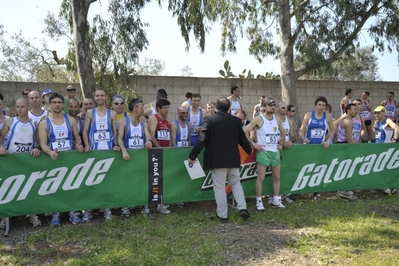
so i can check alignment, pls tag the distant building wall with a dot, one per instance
(213, 88)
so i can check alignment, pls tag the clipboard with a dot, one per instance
(195, 171)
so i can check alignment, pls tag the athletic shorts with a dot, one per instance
(367, 122)
(268, 158)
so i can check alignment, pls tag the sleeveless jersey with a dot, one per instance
(286, 126)
(162, 133)
(134, 136)
(343, 106)
(382, 134)
(153, 110)
(234, 106)
(366, 114)
(196, 121)
(182, 134)
(101, 136)
(8, 133)
(390, 110)
(341, 133)
(37, 118)
(60, 136)
(21, 136)
(357, 129)
(268, 134)
(317, 128)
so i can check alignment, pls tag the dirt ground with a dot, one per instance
(246, 242)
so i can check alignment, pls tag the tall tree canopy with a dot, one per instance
(319, 31)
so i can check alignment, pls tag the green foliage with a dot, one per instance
(243, 74)
(24, 61)
(361, 66)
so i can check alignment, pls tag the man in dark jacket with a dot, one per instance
(221, 133)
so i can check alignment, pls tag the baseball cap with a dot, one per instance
(47, 91)
(379, 109)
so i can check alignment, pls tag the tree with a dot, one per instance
(362, 66)
(320, 31)
(186, 71)
(23, 61)
(105, 45)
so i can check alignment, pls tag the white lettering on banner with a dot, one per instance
(312, 175)
(247, 171)
(53, 178)
(14, 182)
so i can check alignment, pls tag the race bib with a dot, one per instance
(183, 143)
(317, 133)
(271, 138)
(61, 145)
(364, 114)
(163, 135)
(101, 136)
(136, 143)
(22, 147)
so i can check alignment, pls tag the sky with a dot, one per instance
(165, 41)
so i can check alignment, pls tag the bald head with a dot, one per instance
(181, 109)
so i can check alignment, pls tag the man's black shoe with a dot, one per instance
(222, 220)
(245, 214)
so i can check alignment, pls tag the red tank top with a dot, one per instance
(162, 133)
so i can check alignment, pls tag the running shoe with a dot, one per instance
(107, 214)
(86, 216)
(74, 217)
(55, 221)
(259, 205)
(35, 220)
(347, 194)
(146, 211)
(286, 199)
(125, 212)
(162, 209)
(277, 205)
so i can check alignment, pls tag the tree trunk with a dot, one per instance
(288, 75)
(80, 9)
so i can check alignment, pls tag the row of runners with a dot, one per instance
(147, 126)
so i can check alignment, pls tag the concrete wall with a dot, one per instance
(213, 88)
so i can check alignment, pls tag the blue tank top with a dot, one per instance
(317, 129)
(128, 135)
(101, 132)
(52, 137)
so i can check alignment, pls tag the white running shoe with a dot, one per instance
(107, 214)
(259, 205)
(277, 205)
(35, 220)
(86, 216)
(162, 209)
(146, 211)
(125, 212)
(286, 199)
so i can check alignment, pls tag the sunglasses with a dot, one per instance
(292, 111)
(184, 113)
(71, 90)
(121, 103)
(283, 107)
(271, 104)
(377, 113)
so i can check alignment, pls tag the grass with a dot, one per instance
(329, 232)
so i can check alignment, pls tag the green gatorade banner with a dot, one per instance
(101, 179)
